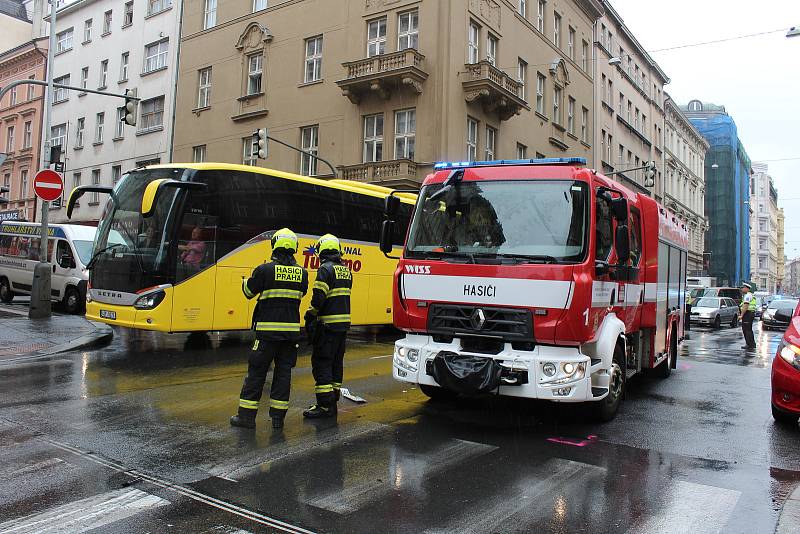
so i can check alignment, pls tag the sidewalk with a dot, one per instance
(789, 522)
(22, 338)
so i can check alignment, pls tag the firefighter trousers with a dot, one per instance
(327, 365)
(284, 354)
(747, 329)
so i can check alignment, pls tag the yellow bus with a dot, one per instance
(175, 241)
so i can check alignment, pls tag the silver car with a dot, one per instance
(714, 311)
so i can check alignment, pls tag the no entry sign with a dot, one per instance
(48, 185)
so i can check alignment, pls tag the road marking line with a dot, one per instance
(689, 507)
(86, 514)
(406, 469)
(32, 468)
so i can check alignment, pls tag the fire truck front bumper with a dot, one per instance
(561, 374)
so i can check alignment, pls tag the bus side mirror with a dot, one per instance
(619, 206)
(391, 206)
(622, 244)
(154, 189)
(387, 232)
(79, 191)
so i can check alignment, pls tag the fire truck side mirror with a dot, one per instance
(391, 206)
(387, 232)
(619, 206)
(622, 244)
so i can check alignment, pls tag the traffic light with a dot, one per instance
(262, 143)
(650, 174)
(131, 107)
(3, 191)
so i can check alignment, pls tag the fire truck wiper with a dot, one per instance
(464, 257)
(527, 258)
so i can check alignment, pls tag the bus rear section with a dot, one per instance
(191, 233)
(537, 279)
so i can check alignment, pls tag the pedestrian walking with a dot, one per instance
(328, 320)
(279, 286)
(748, 313)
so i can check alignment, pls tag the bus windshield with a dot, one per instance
(525, 221)
(132, 252)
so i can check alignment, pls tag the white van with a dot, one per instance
(69, 250)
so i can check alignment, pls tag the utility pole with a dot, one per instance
(40, 306)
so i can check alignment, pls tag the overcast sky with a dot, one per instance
(756, 79)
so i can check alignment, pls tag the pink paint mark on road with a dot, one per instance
(566, 441)
(684, 366)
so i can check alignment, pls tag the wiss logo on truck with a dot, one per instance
(539, 279)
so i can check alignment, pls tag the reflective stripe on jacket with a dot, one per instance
(330, 300)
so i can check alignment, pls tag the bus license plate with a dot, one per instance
(107, 314)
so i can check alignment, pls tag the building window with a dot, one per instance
(250, 150)
(522, 151)
(259, 5)
(540, 16)
(103, 74)
(609, 148)
(27, 135)
(540, 81)
(76, 182)
(473, 48)
(155, 56)
(621, 104)
(119, 126)
(376, 37)
(405, 133)
(472, 139)
(127, 17)
(31, 89)
(373, 138)
(95, 181)
(571, 115)
(408, 30)
(157, 6)
(23, 182)
(10, 139)
(107, 22)
(309, 142)
(84, 77)
(584, 125)
(557, 30)
(80, 126)
(762, 243)
(64, 41)
(204, 88)
(255, 65)
(630, 111)
(87, 30)
(98, 130)
(491, 144)
(199, 153)
(621, 159)
(313, 71)
(152, 114)
(636, 116)
(522, 8)
(116, 173)
(557, 92)
(123, 66)
(585, 56)
(522, 78)
(58, 135)
(60, 94)
(571, 43)
(210, 14)
(13, 96)
(491, 49)
(611, 93)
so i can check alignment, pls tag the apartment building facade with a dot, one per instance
(112, 46)
(791, 284)
(21, 112)
(629, 105)
(384, 88)
(764, 214)
(684, 152)
(781, 277)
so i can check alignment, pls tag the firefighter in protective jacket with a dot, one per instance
(328, 320)
(279, 286)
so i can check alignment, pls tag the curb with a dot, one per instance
(789, 520)
(102, 335)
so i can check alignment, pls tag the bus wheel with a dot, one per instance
(72, 301)
(665, 368)
(437, 393)
(606, 409)
(6, 295)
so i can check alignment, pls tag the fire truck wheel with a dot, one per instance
(437, 393)
(606, 409)
(665, 368)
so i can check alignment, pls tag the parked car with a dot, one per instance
(714, 311)
(731, 292)
(786, 374)
(778, 314)
(759, 306)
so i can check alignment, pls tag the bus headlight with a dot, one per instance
(149, 301)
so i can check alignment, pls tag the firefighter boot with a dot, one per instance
(244, 419)
(318, 411)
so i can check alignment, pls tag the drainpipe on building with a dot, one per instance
(171, 148)
(595, 161)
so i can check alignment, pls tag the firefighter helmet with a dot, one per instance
(284, 238)
(328, 242)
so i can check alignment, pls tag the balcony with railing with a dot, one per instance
(383, 75)
(494, 89)
(392, 173)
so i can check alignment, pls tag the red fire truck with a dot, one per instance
(536, 278)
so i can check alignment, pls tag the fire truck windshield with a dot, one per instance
(536, 221)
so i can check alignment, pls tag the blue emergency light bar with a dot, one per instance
(542, 161)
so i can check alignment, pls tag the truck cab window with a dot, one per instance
(605, 229)
(636, 238)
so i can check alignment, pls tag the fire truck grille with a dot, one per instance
(506, 323)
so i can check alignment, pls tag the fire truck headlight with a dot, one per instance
(549, 369)
(569, 368)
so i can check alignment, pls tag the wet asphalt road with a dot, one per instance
(134, 437)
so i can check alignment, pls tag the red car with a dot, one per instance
(786, 374)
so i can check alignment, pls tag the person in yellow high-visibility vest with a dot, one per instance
(748, 313)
